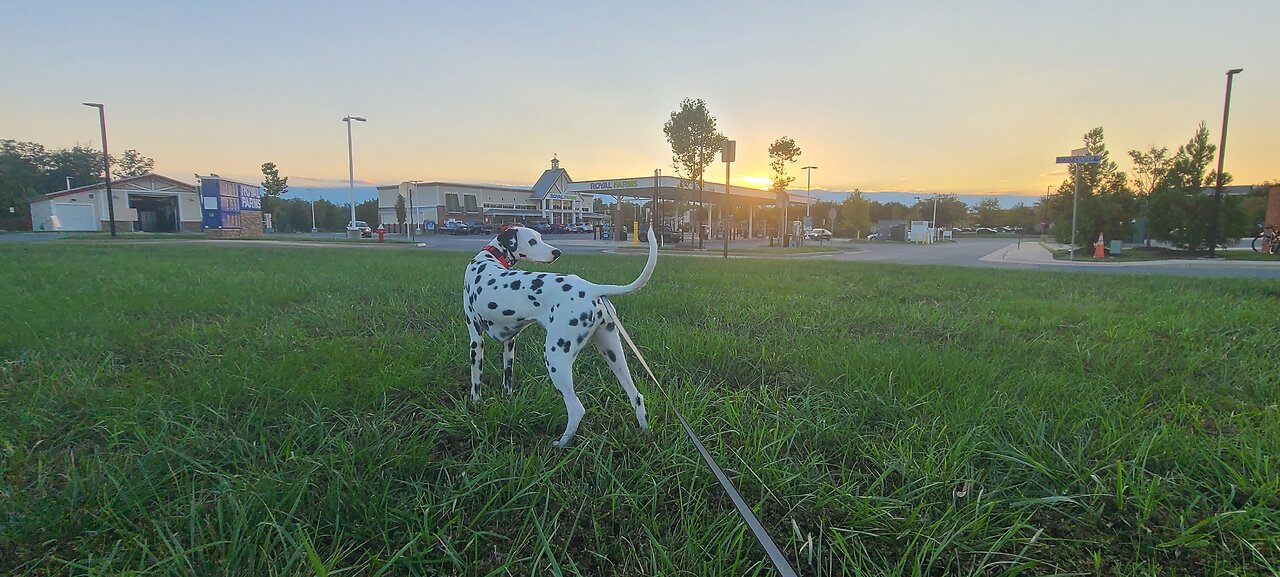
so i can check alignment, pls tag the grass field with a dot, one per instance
(247, 410)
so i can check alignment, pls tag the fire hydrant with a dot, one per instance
(382, 233)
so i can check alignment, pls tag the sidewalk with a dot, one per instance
(1037, 253)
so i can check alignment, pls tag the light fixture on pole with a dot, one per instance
(351, 167)
(1222, 151)
(106, 164)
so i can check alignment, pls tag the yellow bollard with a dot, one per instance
(635, 233)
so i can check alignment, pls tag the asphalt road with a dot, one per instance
(964, 252)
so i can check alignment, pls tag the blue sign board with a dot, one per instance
(1086, 159)
(222, 201)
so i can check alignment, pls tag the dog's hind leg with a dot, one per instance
(610, 346)
(508, 362)
(477, 358)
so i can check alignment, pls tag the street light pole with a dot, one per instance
(106, 164)
(351, 166)
(934, 236)
(1222, 151)
(808, 181)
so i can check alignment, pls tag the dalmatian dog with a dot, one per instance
(501, 302)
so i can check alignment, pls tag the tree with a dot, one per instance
(1149, 168)
(131, 163)
(368, 212)
(888, 211)
(855, 215)
(988, 213)
(401, 213)
(1181, 208)
(272, 184)
(691, 131)
(782, 152)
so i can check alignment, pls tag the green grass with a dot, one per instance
(260, 410)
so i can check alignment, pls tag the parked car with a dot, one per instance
(361, 226)
(665, 236)
(455, 227)
(542, 227)
(580, 227)
(559, 228)
(873, 236)
(480, 227)
(818, 234)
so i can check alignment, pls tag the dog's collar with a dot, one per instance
(501, 259)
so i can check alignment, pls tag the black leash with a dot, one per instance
(780, 561)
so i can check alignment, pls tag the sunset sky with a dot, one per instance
(965, 97)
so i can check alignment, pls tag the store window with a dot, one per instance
(470, 200)
(451, 203)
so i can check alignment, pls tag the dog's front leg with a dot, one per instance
(508, 363)
(477, 359)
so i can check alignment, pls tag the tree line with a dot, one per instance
(1166, 196)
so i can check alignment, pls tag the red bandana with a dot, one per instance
(502, 259)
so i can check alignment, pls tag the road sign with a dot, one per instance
(1083, 159)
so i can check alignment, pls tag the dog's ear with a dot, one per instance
(507, 240)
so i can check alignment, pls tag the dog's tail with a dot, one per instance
(652, 263)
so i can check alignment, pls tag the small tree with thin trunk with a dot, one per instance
(782, 152)
(691, 130)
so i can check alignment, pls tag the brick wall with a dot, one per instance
(1273, 206)
(250, 223)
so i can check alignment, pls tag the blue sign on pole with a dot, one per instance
(1086, 159)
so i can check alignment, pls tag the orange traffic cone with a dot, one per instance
(1099, 250)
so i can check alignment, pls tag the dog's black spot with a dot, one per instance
(536, 283)
(533, 242)
(477, 281)
(508, 312)
(479, 290)
(566, 288)
(613, 358)
(533, 298)
(491, 282)
(542, 274)
(552, 320)
(492, 305)
(573, 322)
(474, 345)
(559, 279)
(481, 269)
(582, 294)
(582, 337)
(610, 327)
(515, 285)
(553, 369)
(584, 318)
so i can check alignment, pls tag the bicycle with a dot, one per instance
(1267, 242)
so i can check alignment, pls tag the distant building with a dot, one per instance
(555, 198)
(147, 203)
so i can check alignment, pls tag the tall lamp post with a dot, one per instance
(808, 181)
(1222, 151)
(106, 164)
(351, 167)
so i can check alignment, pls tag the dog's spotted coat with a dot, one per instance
(501, 302)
